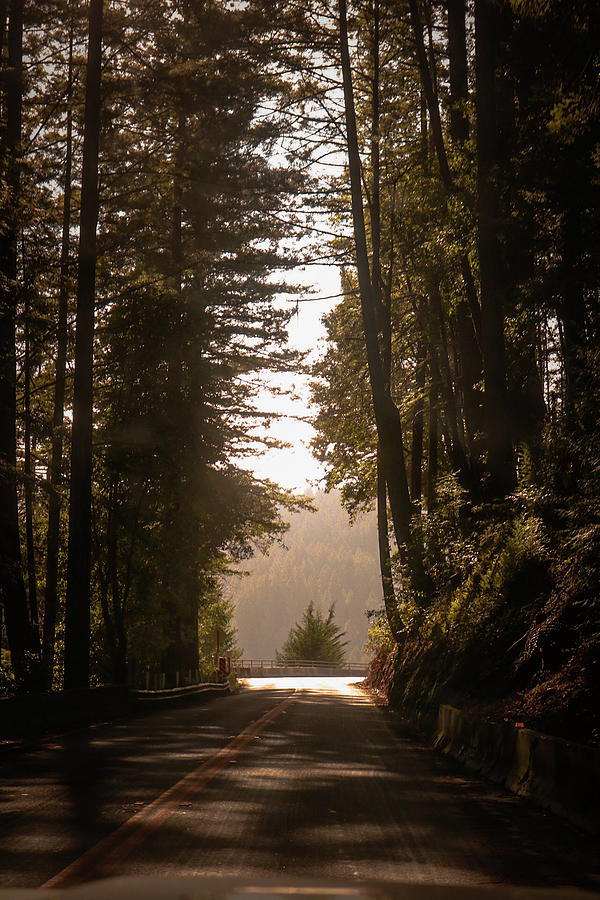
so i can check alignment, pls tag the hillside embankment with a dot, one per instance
(514, 630)
(503, 669)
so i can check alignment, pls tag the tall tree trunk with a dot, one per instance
(118, 634)
(385, 566)
(433, 442)
(430, 96)
(386, 413)
(416, 459)
(500, 459)
(375, 209)
(423, 133)
(55, 467)
(572, 309)
(183, 655)
(385, 563)
(28, 468)
(12, 587)
(525, 389)
(440, 149)
(4, 10)
(457, 58)
(440, 362)
(77, 619)
(470, 373)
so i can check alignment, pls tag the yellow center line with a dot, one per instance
(104, 856)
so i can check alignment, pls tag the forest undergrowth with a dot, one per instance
(513, 633)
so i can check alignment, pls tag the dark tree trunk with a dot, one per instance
(430, 95)
(55, 474)
(183, 655)
(115, 580)
(386, 413)
(384, 304)
(376, 169)
(572, 310)
(32, 594)
(469, 375)
(117, 634)
(453, 430)
(433, 442)
(525, 390)
(416, 460)
(12, 588)
(423, 133)
(459, 83)
(4, 7)
(470, 372)
(77, 619)
(440, 347)
(385, 563)
(470, 292)
(500, 458)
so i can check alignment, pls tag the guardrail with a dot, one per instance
(148, 679)
(208, 688)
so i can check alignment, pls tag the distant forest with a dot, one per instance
(323, 559)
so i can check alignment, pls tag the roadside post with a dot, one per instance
(220, 638)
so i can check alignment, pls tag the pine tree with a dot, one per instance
(316, 638)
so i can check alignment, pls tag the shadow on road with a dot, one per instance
(326, 790)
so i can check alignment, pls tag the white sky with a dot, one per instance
(296, 468)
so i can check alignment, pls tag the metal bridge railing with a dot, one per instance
(273, 665)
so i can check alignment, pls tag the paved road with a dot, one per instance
(296, 777)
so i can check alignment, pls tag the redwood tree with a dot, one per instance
(77, 624)
(12, 588)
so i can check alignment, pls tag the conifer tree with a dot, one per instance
(316, 637)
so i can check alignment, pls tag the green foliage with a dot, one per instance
(509, 559)
(7, 681)
(345, 439)
(379, 637)
(315, 637)
(216, 612)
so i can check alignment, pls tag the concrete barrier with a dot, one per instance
(559, 775)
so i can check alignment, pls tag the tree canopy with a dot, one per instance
(457, 389)
(131, 356)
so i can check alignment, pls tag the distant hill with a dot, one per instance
(327, 560)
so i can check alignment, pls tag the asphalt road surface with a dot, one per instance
(294, 777)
